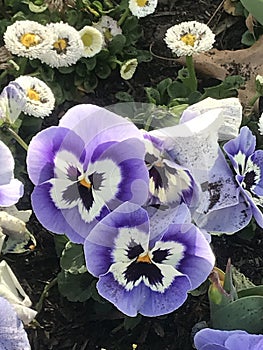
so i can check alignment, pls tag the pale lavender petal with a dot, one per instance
(11, 193)
(212, 337)
(14, 98)
(7, 164)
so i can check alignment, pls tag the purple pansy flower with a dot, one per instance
(84, 168)
(11, 189)
(144, 265)
(12, 333)
(248, 165)
(169, 183)
(12, 102)
(213, 339)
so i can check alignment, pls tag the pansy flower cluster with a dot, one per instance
(141, 202)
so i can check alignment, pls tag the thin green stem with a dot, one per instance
(191, 72)
(254, 99)
(17, 138)
(124, 16)
(44, 294)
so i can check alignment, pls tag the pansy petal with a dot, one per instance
(43, 148)
(212, 336)
(12, 333)
(128, 302)
(240, 148)
(257, 160)
(8, 164)
(11, 193)
(14, 99)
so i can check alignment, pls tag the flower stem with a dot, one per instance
(17, 138)
(191, 72)
(254, 99)
(124, 16)
(44, 294)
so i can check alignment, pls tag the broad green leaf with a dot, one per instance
(255, 7)
(153, 95)
(256, 290)
(72, 259)
(75, 287)
(117, 44)
(244, 313)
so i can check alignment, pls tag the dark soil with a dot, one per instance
(64, 325)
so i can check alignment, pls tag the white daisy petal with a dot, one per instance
(188, 38)
(92, 40)
(260, 125)
(67, 47)
(27, 39)
(142, 8)
(40, 100)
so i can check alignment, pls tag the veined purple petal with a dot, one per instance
(256, 161)
(12, 333)
(240, 148)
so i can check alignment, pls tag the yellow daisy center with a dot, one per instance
(84, 183)
(33, 95)
(87, 39)
(29, 40)
(145, 258)
(142, 3)
(188, 39)
(60, 45)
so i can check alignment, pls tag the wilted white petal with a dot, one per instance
(231, 110)
(260, 125)
(128, 68)
(142, 8)
(12, 290)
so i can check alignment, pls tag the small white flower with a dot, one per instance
(40, 100)
(260, 125)
(108, 27)
(27, 39)
(188, 38)
(128, 68)
(142, 8)
(92, 40)
(67, 47)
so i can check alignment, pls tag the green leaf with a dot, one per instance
(75, 287)
(228, 88)
(90, 63)
(256, 290)
(37, 8)
(60, 242)
(177, 89)
(143, 56)
(153, 95)
(244, 313)
(117, 44)
(130, 323)
(66, 70)
(103, 71)
(248, 38)
(72, 258)
(255, 7)
(124, 96)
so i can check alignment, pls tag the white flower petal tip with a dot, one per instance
(12, 290)
(27, 39)
(231, 111)
(142, 8)
(128, 68)
(67, 47)
(40, 100)
(92, 40)
(260, 125)
(188, 38)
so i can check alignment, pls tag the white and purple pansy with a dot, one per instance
(215, 339)
(11, 189)
(84, 168)
(169, 182)
(12, 333)
(248, 165)
(147, 271)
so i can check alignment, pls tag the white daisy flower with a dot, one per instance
(40, 100)
(108, 27)
(188, 38)
(92, 40)
(142, 8)
(27, 39)
(128, 68)
(67, 47)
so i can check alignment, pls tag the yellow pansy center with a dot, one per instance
(29, 39)
(188, 39)
(142, 3)
(60, 45)
(145, 258)
(87, 39)
(33, 95)
(84, 183)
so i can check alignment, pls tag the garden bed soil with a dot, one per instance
(64, 325)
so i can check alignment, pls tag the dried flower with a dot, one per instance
(59, 5)
(108, 27)
(188, 38)
(128, 68)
